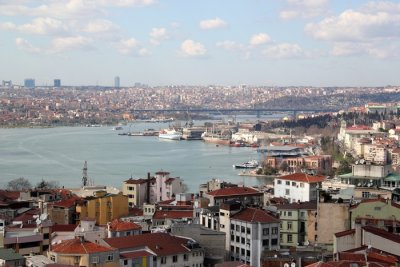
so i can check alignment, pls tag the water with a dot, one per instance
(58, 154)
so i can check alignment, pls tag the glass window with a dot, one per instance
(289, 225)
(175, 258)
(266, 231)
(293, 183)
(279, 182)
(289, 238)
(287, 192)
(287, 182)
(163, 260)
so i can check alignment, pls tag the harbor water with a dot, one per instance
(58, 154)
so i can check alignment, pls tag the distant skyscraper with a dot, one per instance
(116, 82)
(29, 83)
(57, 83)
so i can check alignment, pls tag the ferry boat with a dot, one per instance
(252, 164)
(171, 134)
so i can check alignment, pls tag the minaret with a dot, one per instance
(84, 175)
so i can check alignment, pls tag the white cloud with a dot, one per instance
(258, 39)
(229, 45)
(43, 26)
(304, 9)
(157, 35)
(284, 50)
(212, 24)
(62, 44)
(125, 3)
(100, 26)
(191, 48)
(26, 46)
(369, 30)
(130, 46)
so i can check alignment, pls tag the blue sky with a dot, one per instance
(164, 42)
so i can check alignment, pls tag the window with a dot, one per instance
(289, 214)
(265, 242)
(95, 259)
(289, 238)
(163, 260)
(248, 230)
(316, 226)
(237, 239)
(242, 229)
(274, 242)
(232, 249)
(293, 183)
(175, 258)
(365, 195)
(185, 257)
(301, 184)
(237, 228)
(242, 251)
(279, 182)
(52, 257)
(242, 240)
(130, 188)
(302, 214)
(266, 231)
(274, 230)
(222, 213)
(287, 192)
(110, 257)
(287, 182)
(125, 262)
(289, 225)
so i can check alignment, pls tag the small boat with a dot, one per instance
(118, 128)
(171, 134)
(252, 164)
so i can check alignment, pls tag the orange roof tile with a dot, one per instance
(303, 177)
(162, 244)
(75, 246)
(173, 214)
(234, 191)
(119, 225)
(253, 215)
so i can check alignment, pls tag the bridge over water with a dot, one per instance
(226, 111)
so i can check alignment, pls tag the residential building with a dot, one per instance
(164, 187)
(251, 232)
(8, 258)
(246, 195)
(63, 211)
(79, 251)
(297, 223)
(136, 190)
(118, 228)
(298, 187)
(157, 249)
(103, 207)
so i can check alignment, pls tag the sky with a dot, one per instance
(201, 42)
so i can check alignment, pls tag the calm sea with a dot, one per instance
(58, 154)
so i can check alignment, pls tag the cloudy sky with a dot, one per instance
(201, 42)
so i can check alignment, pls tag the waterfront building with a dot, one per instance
(57, 83)
(103, 207)
(297, 223)
(298, 186)
(80, 252)
(29, 83)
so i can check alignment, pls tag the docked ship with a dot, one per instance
(252, 164)
(171, 134)
(216, 139)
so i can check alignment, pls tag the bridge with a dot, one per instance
(257, 111)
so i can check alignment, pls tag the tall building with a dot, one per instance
(57, 83)
(116, 82)
(29, 83)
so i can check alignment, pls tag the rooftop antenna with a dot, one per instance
(84, 175)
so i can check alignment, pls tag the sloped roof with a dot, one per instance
(119, 225)
(253, 215)
(173, 214)
(162, 244)
(76, 246)
(382, 233)
(309, 205)
(234, 191)
(303, 177)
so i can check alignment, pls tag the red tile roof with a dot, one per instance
(382, 233)
(234, 191)
(162, 244)
(172, 214)
(136, 254)
(75, 246)
(9, 195)
(253, 215)
(119, 225)
(344, 233)
(135, 181)
(67, 203)
(303, 177)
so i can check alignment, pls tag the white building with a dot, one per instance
(298, 186)
(251, 232)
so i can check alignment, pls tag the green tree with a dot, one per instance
(47, 184)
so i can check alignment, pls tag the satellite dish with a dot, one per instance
(293, 264)
(38, 221)
(43, 216)
(286, 265)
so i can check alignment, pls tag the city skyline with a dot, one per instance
(272, 43)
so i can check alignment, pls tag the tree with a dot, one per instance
(19, 184)
(47, 184)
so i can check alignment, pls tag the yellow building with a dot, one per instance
(103, 207)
